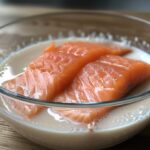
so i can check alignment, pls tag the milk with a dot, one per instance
(51, 130)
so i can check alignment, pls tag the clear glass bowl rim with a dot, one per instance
(118, 102)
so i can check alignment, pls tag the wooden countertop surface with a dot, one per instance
(9, 139)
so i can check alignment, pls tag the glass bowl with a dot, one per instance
(51, 130)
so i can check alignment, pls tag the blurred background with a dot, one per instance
(12, 9)
(137, 5)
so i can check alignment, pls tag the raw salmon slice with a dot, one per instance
(108, 78)
(50, 73)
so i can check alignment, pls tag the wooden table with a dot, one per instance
(9, 139)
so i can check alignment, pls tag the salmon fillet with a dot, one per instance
(108, 78)
(50, 73)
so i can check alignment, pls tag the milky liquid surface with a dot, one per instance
(120, 117)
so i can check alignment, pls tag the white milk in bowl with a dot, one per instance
(51, 130)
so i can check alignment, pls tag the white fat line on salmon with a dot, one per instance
(115, 64)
